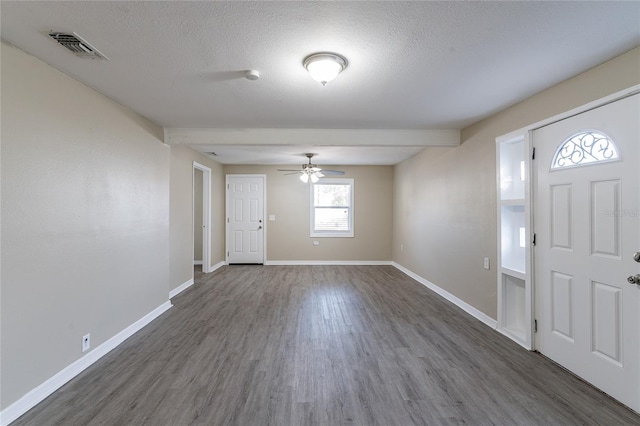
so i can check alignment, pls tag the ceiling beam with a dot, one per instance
(325, 137)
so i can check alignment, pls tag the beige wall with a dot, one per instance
(181, 213)
(85, 223)
(197, 214)
(288, 198)
(445, 198)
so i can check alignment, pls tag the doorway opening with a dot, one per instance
(202, 216)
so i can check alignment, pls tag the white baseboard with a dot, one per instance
(481, 316)
(182, 287)
(217, 266)
(514, 337)
(36, 395)
(326, 262)
(197, 262)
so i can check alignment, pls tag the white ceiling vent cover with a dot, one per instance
(77, 45)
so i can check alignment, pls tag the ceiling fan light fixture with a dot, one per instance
(325, 66)
(311, 172)
(308, 175)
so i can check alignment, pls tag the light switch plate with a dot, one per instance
(486, 263)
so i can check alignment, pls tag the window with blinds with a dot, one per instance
(332, 208)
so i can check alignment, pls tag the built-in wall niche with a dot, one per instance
(514, 277)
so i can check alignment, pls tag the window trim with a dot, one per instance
(332, 234)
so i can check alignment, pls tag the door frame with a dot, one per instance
(264, 213)
(525, 132)
(206, 214)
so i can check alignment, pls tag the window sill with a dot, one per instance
(331, 235)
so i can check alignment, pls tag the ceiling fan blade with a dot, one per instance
(312, 171)
(294, 173)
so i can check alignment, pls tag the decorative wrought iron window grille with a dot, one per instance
(585, 148)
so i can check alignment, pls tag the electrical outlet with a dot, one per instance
(486, 263)
(86, 342)
(316, 243)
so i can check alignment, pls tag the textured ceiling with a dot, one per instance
(412, 65)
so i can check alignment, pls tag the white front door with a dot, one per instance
(587, 225)
(245, 218)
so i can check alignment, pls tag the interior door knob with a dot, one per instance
(636, 256)
(634, 279)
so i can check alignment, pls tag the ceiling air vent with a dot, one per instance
(76, 45)
(211, 153)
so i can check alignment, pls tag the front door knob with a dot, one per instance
(634, 279)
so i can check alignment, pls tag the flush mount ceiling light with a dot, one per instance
(324, 66)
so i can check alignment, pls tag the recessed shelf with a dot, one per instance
(512, 170)
(514, 306)
(512, 272)
(514, 202)
(513, 237)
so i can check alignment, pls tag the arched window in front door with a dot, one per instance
(585, 148)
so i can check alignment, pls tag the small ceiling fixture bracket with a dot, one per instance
(252, 75)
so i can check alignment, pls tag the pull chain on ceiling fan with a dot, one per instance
(311, 172)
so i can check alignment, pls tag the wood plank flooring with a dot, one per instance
(321, 345)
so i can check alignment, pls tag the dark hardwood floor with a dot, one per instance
(321, 345)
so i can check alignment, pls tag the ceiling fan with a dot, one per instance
(311, 172)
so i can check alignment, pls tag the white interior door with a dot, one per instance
(587, 215)
(245, 218)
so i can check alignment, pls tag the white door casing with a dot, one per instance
(245, 219)
(206, 214)
(587, 229)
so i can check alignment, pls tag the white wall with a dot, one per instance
(85, 220)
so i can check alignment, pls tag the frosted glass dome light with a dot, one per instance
(324, 67)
